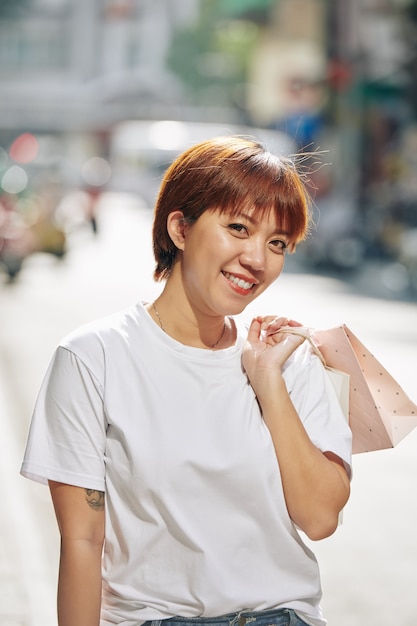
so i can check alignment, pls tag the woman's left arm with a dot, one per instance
(316, 485)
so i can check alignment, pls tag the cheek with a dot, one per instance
(197, 260)
(275, 268)
(211, 251)
(196, 253)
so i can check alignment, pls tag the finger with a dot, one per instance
(255, 328)
(287, 340)
(266, 320)
(279, 320)
(276, 324)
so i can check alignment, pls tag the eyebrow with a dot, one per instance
(254, 221)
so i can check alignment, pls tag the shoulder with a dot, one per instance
(95, 341)
(101, 331)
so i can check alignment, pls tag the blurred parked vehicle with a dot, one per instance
(27, 227)
(337, 239)
(140, 151)
(16, 238)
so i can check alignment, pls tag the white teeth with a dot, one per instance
(243, 284)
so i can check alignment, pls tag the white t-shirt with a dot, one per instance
(196, 521)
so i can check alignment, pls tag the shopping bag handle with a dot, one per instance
(303, 331)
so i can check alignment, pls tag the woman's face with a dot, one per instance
(228, 261)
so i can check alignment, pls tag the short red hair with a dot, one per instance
(229, 174)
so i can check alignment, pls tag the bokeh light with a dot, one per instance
(96, 171)
(15, 180)
(24, 148)
(168, 134)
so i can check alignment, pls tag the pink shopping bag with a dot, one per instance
(380, 412)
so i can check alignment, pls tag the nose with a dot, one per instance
(253, 255)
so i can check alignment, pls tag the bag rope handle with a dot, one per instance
(303, 331)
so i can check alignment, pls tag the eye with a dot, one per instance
(238, 228)
(279, 246)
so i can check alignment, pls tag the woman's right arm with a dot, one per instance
(80, 516)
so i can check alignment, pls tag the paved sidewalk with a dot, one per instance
(27, 586)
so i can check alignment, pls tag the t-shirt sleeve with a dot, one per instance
(317, 405)
(67, 435)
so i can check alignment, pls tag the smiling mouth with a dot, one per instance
(239, 282)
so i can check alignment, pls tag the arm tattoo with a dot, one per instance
(95, 499)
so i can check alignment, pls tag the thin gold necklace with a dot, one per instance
(163, 328)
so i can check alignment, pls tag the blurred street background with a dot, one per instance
(96, 99)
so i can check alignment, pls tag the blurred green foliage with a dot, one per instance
(211, 56)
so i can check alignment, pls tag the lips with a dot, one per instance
(239, 282)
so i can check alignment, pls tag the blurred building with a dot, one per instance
(70, 70)
(77, 65)
(337, 75)
(341, 76)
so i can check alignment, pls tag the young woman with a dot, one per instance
(184, 450)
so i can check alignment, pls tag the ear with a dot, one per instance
(177, 227)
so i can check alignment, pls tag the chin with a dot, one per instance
(236, 309)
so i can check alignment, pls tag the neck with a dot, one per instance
(185, 327)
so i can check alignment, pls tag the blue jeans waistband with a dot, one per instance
(271, 617)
